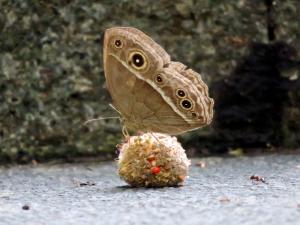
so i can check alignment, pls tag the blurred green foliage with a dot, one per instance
(51, 75)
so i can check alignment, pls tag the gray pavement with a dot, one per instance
(220, 193)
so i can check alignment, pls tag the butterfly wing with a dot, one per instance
(121, 45)
(151, 92)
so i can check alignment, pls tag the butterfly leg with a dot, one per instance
(125, 131)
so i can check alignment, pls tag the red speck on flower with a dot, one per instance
(155, 170)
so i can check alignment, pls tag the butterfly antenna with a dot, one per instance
(114, 108)
(100, 118)
(105, 118)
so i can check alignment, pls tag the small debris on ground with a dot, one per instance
(88, 168)
(201, 164)
(80, 184)
(258, 179)
(25, 207)
(87, 184)
(224, 199)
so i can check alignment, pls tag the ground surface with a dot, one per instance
(220, 193)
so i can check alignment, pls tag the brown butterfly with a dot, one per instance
(151, 92)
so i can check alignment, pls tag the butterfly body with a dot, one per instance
(151, 92)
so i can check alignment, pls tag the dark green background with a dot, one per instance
(51, 74)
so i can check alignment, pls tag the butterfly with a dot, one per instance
(151, 92)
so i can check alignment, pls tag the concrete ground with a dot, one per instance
(220, 193)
